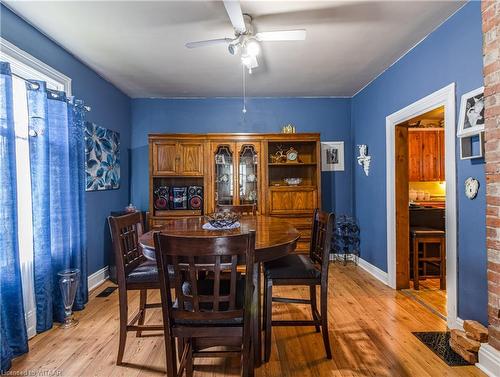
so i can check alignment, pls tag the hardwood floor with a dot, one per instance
(430, 295)
(370, 331)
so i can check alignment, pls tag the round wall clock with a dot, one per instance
(471, 187)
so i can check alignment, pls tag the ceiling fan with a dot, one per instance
(245, 41)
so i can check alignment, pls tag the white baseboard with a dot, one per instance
(376, 272)
(489, 360)
(98, 277)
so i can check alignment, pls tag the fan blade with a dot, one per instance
(282, 35)
(233, 9)
(208, 42)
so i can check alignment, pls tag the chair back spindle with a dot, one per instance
(321, 238)
(125, 233)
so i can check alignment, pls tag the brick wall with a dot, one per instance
(491, 59)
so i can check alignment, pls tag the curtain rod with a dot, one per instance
(86, 107)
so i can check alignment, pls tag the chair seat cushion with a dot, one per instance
(426, 232)
(292, 266)
(146, 272)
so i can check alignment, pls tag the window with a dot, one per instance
(24, 67)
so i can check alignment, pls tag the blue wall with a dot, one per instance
(453, 53)
(110, 109)
(330, 116)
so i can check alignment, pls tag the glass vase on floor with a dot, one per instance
(68, 282)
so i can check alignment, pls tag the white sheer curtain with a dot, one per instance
(25, 228)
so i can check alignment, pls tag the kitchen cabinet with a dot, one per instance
(426, 155)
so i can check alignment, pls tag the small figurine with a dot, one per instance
(279, 156)
(288, 129)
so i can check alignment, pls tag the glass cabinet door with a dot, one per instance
(224, 175)
(248, 175)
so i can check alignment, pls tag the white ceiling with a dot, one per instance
(139, 45)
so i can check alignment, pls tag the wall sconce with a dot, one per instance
(363, 158)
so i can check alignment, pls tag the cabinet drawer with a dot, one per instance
(300, 223)
(305, 234)
(304, 223)
(304, 227)
(302, 247)
(284, 202)
(156, 224)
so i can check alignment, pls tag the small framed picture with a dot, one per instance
(471, 119)
(332, 156)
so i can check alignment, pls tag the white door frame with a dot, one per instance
(443, 97)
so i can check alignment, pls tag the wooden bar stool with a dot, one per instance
(211, 312)
(302, 270)
(426, 236)
(133, 272)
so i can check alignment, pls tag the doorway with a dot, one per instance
(420, 208)
(399, 129)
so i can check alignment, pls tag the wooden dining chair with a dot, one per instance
(133, 272)
(212, 312)
(242, 209)
(309, 270)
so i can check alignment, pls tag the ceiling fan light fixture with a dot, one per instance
(246, 60)
(252, 47)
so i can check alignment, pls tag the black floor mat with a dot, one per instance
(439, 343)
(107, 291)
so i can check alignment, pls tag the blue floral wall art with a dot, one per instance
(102, 155)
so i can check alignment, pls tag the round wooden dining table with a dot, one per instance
(274, 238)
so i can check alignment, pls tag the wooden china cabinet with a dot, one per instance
(237, 169)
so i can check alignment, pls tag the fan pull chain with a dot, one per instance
(244, 91)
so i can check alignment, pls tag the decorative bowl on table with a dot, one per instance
(223, 219)
(293, 181)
